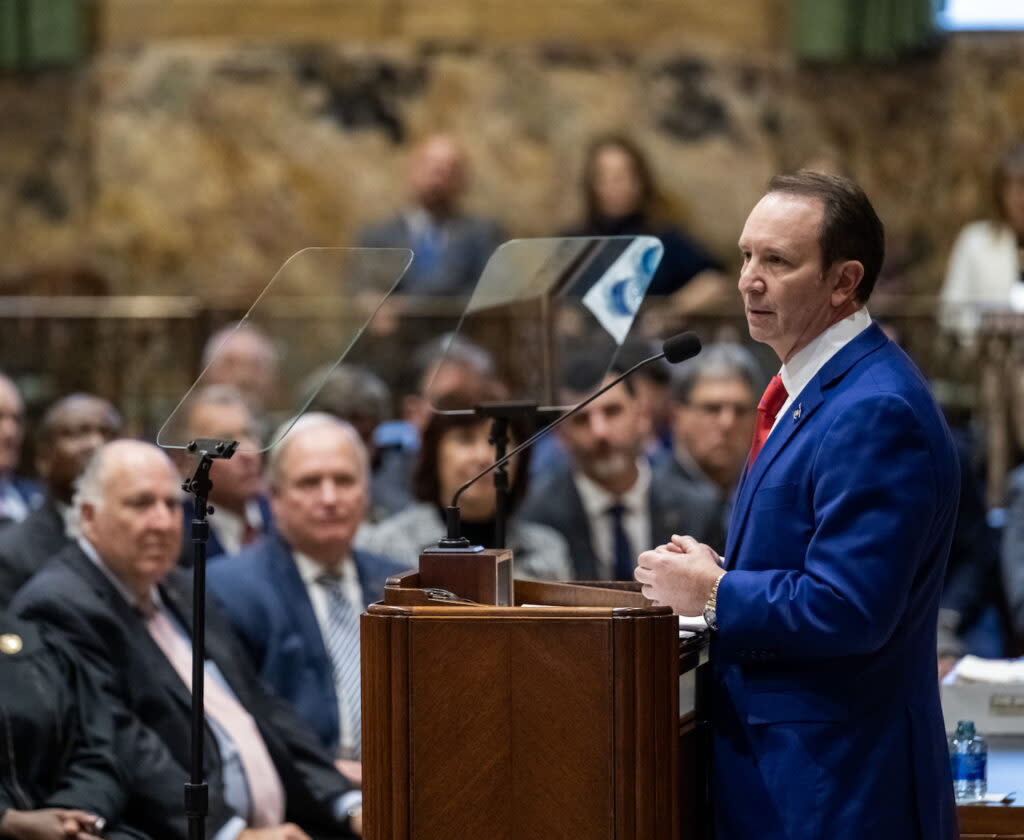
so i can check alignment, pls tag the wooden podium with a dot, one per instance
(558, 717)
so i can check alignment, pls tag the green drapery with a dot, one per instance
(41, 33)
(832, 30)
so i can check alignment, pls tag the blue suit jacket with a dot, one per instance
(827, 720)
(214, 548)
(266, 601)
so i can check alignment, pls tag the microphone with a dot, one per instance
(676, 349)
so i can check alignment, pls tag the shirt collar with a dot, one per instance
(806, 363)
(310, 569)
(596, 500)
(90, 551)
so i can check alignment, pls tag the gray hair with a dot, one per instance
(717, 361)
(180, 429)
(224, 334)
(349, 391)
(454, 349)
(288, 431)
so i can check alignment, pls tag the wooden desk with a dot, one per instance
(1005, 775)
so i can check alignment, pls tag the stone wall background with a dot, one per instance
(180, 161)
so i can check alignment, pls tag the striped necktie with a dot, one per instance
(342, 643)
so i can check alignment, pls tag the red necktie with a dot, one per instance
(774, 397)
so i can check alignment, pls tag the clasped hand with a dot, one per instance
(679, 574)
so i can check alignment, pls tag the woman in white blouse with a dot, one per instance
(985, 266)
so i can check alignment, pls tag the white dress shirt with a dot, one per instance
(805, 364)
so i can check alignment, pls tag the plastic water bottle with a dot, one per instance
(968, 756)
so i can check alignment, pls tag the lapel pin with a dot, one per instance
(10, 643)
(796, 412)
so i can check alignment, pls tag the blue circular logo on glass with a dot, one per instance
(624, 296)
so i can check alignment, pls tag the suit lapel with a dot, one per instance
(797, 415)
(294, 595)
(140, 643)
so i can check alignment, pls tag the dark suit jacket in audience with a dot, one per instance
(669, 472)
(264, 597)
(151, 704)
(57, 747)
(25, 546)
(214, 548)
(673, 508)
(469, 243)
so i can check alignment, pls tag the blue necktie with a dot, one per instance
(427, 252)
(622, 551)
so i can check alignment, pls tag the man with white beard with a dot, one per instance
(604, 502)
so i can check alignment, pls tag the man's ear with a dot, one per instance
(845, 281)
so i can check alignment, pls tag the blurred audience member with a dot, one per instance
(119, 598)
(652, 384)
(455, 448)
(70, 431)
(243, 355)
(605, 502)
(450, 247)
(986, 269)
(295, 598)
(17, 495)
(716, 395)
(241, 511)
(441, 366)
(621, 199)
(1012, 557)
(58, 774)
(357, 395)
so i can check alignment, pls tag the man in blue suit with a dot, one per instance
(826, 716)
(295, 597)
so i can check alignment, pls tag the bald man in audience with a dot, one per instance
(17, 495)
(241, 510)
(295, 597)
(70, 432)
(451, 247)
(119, 597)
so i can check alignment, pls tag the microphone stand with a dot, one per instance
(502, 414)
(197, 804)
(452, 518)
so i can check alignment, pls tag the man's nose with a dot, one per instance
(328, 491)
(750, 279)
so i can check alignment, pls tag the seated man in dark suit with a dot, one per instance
(119, 598)
(715, 399)
(241, 512)
(70, 431)
(17, 495)
(605, 503)
(295, 597)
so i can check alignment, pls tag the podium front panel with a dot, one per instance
(520, 723)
